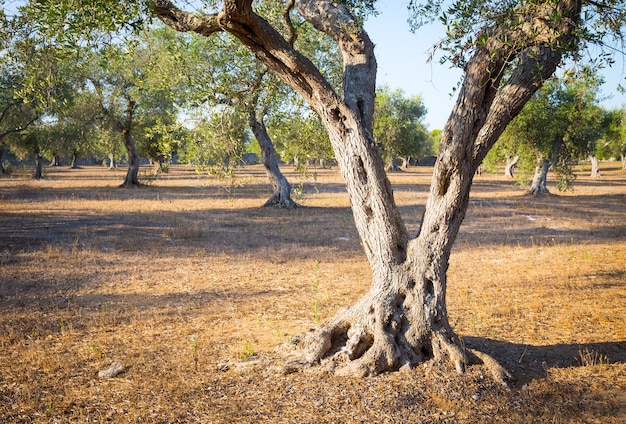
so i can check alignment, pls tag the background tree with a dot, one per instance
(16, 114)
(218, 142)
(613, 145)
(224, 73)
(556, 128)
(301, 137)
(398, 127)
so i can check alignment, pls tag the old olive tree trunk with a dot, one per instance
(402, 321)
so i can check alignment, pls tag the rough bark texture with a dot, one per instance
(402, 321)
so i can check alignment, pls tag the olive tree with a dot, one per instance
(403, 320)
(398, 127)
(557, 127)
(507, 49)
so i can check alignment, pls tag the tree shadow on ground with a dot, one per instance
(528, 362)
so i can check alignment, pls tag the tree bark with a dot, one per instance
(282, 189)
(402, 321)
(511, 164)
(595, 167)
(624, 162)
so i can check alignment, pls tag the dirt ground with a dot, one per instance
(188, 278)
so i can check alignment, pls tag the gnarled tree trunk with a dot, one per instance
(402, 320)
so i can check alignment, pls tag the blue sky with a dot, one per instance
(402, 63)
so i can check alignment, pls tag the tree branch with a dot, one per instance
(359, 62)
(182, 21)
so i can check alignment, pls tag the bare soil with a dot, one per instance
(188, 278)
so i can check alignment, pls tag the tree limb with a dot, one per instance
(172, 16)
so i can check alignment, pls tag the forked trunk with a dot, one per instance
(511, 164)
(595, 167)
(55, 160)
(282, 189)
(539, 184)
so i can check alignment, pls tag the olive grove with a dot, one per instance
(507, 50)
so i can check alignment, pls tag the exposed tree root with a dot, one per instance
(499, 373)
(364, 341)
(276, 200)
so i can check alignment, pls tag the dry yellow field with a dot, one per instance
(188, 274)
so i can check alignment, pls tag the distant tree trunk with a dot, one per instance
(38, 175)
(405, 162)
(595, 167)
(623, 162)
(112, 163)
(393, 165)
(540, 178)
(3, 150)
(282, 189)
(74, 164)
(55, 160)
(132, 179)
(157, 166)
(511, 164)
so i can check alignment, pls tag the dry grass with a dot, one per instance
(189, 273)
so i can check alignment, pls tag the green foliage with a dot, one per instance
(218, 142)
(300, 137)
(397, 125)
(613, 144)
(602, 25)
